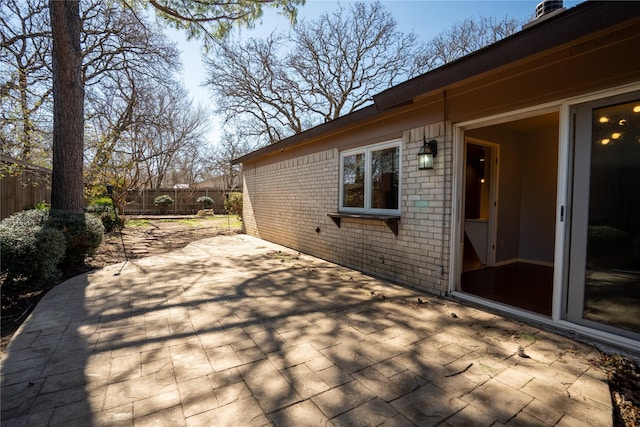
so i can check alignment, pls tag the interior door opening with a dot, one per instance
(479, 207)
(516, 207)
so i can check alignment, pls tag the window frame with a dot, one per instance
(367, 151)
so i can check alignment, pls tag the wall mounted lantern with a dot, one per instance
(426, 154)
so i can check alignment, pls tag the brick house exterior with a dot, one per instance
(516, 99)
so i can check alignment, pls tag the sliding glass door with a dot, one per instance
(604, 251)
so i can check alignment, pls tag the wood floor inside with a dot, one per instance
(522, 285)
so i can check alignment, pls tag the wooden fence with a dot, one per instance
(22, 185)
(141, 202)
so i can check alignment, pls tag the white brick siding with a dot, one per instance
(287, 201)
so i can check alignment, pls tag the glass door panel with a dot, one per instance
(604, 282)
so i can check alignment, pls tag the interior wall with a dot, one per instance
(508, 231)
(528, 173)
(539, 177)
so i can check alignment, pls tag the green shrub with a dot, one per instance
(206, 201)
(42, 206)
(35, 243)
(233, 203)
(103, 208)
(82, 231)
(30, 248)
(163, 201)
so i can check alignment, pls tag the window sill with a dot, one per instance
(390, 220)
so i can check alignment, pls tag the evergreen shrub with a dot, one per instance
(233, 203)
(30, 248)
(103, 208)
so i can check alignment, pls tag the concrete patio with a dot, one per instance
(238, 331)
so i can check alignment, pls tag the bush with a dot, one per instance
(206, 201)
(233, 203)
(30, 248)
(163, 201)
(42, 206)
(103, 208)
(35, 243)
(82, 231)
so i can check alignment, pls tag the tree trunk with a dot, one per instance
(68, 107)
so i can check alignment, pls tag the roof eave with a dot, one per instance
(565, 27)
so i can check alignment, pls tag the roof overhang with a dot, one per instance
(570, 25)
(561, 29)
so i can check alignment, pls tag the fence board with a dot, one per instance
(141, 202)
(22, 186)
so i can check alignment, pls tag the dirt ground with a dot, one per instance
(147, 237)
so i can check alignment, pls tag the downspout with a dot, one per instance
(444, 184)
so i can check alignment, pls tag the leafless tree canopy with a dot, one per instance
(331, 66)
(127, 68)
(217, 159)
(319, 71)
(463, 38)
(77, 62)
(25, 80)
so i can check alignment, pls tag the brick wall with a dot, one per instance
(287, 202)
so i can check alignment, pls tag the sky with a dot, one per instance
(425, 18)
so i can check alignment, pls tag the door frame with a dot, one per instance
(457, 211)
(563, 211)
(581, 125)
(494, 176)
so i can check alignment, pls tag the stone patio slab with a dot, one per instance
(238, 331)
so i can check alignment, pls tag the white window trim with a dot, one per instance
(366, 150)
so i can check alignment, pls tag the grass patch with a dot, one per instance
(528, 336)
(232, 221)
(218, 221)
(191, 222)
(138, 223)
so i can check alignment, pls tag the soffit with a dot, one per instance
(589, 20)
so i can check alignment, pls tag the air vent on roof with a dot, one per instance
(547, 6)
(545, 9)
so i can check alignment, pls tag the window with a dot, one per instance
(370, 179)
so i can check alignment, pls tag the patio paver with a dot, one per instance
(238, 331)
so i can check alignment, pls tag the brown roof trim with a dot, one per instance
(340, 122)
(572, 24)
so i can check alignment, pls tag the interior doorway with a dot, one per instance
(480, 190)
(507, 239)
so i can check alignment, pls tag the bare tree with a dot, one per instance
(463, 38)
(167, 127)
(25, 85)
(125, 56)
(331, 67)
(68, 87)
(218, 158)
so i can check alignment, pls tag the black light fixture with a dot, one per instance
(426, 154)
